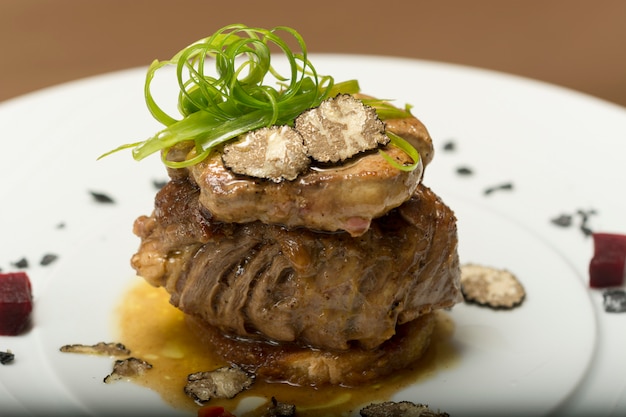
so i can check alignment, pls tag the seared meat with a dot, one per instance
(6, 357)
(344, 197)
(300, 366)
(328, 198)
(325, 290)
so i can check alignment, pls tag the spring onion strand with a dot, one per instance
(234, 97)
(407, 148)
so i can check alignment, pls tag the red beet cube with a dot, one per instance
(606, 268)
(16, 303)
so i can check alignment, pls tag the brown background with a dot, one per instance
(580, 44)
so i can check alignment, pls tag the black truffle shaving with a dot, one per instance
(101, 348)
(340, 128)
(127, 369)
(278, 409)
(614, 301)
(500, 187)
(101, 197)
(22, 263)
(224, 382)
(6, 358)
(400, 409)
(465, 171)
(48, 258)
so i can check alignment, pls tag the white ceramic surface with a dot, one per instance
(558, 354)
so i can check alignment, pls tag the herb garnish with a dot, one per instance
(218, 108)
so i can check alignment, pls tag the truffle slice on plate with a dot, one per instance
(399, 409)
(495, 288)
(127, 369)
(224, 382)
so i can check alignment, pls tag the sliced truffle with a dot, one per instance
(496, 288)
(127, 369)
(6, 357)
(340, 128)
(276, 153)
(48, 258)
(279, 409)
(224, 382)
(101, 348)
(614, 301)
(400, 409)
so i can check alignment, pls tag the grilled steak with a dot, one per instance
(325, 290)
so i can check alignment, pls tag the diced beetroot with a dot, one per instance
(606, 268)
(16, 303)
(214, 411)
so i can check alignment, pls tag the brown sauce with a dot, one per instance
(156, 331)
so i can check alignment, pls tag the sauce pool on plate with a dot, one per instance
(158, 333)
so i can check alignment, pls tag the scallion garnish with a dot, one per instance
(407, 148)
(235, 98)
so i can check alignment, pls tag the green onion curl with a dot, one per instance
(404, 146)
(234, 98)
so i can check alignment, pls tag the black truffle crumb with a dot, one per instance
(584, 223)
(278, 409)
(6, 357)
(567, 220)
(564, 220)
(224, 382)
(503, 186)
(126, 369)
(400, 409)
(158, 184)
(614, 301)
(491, 287)
(22, 263)
(464, 171)
(449, 146)
(101, 197)
(48, 258)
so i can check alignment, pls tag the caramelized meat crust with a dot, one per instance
(268, 282)
(315, 367)
(344, 197)
(324, 197)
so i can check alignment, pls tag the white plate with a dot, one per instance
(562, 151)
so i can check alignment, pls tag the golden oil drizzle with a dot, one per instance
(156, 331)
